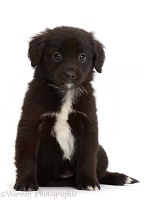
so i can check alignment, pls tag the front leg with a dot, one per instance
(86, 178)
(27, 143)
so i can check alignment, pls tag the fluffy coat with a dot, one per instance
(57, 137)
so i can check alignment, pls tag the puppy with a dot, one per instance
(57, 137)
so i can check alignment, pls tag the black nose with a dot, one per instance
(70, 75)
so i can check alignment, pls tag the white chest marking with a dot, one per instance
(62, 129)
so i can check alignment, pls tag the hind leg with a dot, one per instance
(102, 163)
(109, 178)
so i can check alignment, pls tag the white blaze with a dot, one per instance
(62, 128)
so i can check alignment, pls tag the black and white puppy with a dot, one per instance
(57, 138)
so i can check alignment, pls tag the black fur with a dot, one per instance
(39, 157)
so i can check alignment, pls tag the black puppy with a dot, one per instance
(57, 139)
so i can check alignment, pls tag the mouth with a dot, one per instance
(67, 86)
(62, 83)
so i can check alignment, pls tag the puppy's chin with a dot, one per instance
(69, 85)
(66, 86)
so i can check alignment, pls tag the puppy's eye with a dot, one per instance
(82, 57)
(57, 57)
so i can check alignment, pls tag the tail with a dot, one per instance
(117, 179)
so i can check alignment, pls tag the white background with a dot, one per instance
(121, 90)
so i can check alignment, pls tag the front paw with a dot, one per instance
(88, 184)
(26, 186)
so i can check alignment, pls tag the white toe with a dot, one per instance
(128, 180)
(90, 188)
(96, 188)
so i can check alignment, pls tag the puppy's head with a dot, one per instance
(66, 56)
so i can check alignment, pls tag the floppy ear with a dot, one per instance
(99, 56)
(36, 46)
